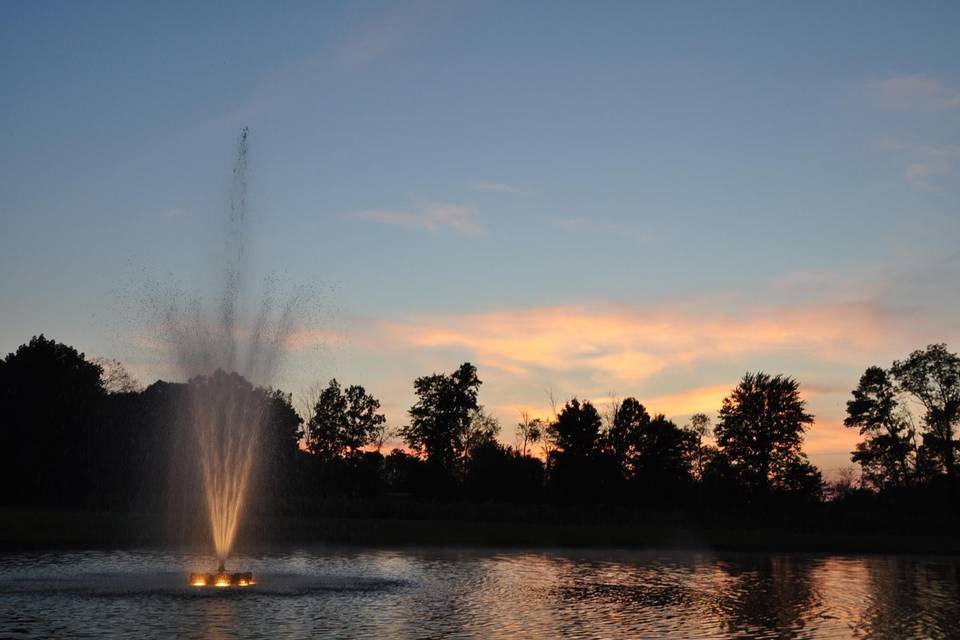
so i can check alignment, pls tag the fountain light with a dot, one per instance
(222, 579)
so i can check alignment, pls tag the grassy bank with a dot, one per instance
(22, 529)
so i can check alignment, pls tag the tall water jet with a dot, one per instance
(227, 416)
(220, 352)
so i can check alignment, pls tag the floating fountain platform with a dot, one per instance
(222, 579)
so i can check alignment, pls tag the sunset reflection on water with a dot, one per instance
(485, 593)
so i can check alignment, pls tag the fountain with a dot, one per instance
(222, 579)
(226, 414)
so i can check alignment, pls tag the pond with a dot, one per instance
(481, 593)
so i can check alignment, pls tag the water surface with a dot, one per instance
(430, 593)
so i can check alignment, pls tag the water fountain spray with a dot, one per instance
(219, 352)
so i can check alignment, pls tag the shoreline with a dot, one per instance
(27, 529)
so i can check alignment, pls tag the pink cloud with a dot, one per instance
(630, 344)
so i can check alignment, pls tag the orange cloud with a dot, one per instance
(628, 344)
(300, 339)
(699, 400)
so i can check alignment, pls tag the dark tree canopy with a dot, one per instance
(577, 428)
(495, 472)
(646, 449)
(630, 418)
(441, 419)
(761, 428)
(885, 454)
(662, 452)
(581, 471)
(482, 430)
(932, 377)
(283, 425)
(343, 421)
(49, 398)
(49, 367)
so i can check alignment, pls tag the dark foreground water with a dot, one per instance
(424, 593)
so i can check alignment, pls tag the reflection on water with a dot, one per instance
(483, 593)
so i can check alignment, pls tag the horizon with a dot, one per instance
(639, 202)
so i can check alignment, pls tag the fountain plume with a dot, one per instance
(219, 352)
(227, 415)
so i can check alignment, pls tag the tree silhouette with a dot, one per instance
(885, 453)
(699, 426)
(115, 377)
(580, 470)
(578, 428)
(629, 419)
(49, 400)
(761, 430)
(528, 431)
(932, 377)
(441, 419)
(482, 429)
(661, 453)
(495, 472)
(343, 421)
(282, 431)
(80, 435)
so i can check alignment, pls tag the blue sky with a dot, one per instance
(637, 198)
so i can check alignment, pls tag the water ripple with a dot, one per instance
(426, 593)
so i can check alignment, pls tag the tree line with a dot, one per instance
(623, 455)
(80, 433)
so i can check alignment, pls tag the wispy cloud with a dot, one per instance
(924, 164)
(500, 187)
(404, 25)
(615, 343)
(311, 337)
(429, 217)
(913, 93)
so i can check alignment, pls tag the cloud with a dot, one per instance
(430, 217)
(925, 164)
(700, 399)
(404, 25)
(912, 93)
(499, 187)
(624, 344)
(308, 338)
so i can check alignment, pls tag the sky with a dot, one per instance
(623, 199)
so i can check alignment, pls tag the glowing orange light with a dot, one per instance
(222, 579)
